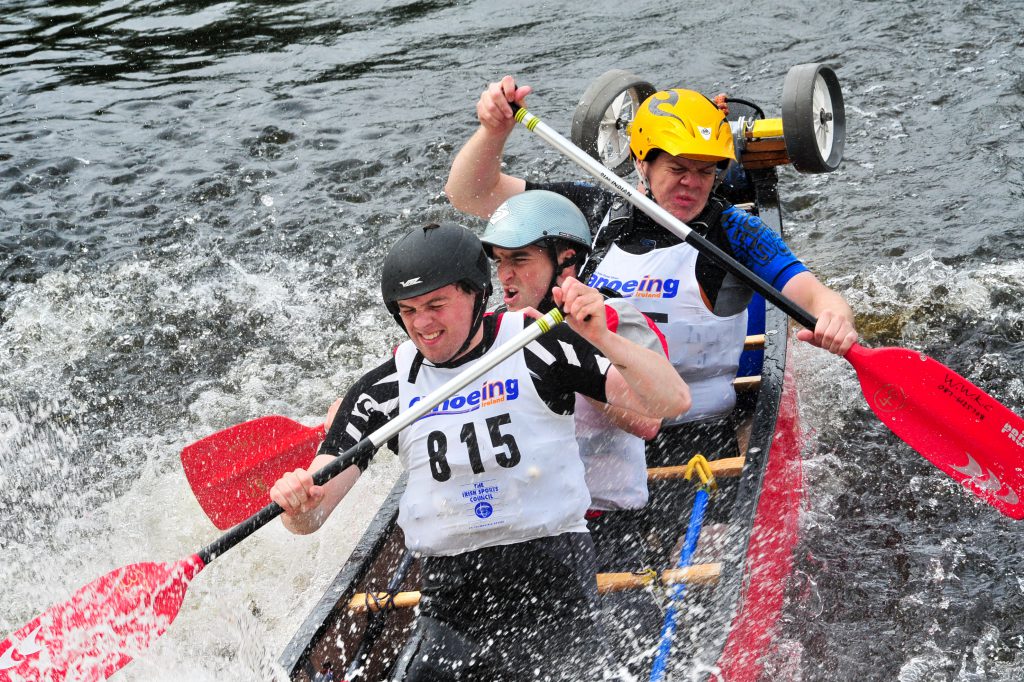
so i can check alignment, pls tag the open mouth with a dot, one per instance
(510, 294)
(431, 337)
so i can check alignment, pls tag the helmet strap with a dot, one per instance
(643, 180)
(548, 302)
(479, 307)
(720, 174)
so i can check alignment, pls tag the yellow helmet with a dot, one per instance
(681, 123)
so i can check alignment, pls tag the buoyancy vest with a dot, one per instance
(703, 347)
(492, 465)
(616, 467)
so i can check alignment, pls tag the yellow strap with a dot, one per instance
(699, 464)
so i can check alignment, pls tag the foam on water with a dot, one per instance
(864, 481)
(194, 202)
(92, 494)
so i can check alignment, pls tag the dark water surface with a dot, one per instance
(195, 199)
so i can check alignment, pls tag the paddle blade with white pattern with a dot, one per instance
(954, 424)
(101, 627)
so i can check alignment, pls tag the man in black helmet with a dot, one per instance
(496, 494)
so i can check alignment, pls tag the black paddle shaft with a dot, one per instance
(677, 227)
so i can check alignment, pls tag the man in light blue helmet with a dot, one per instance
(507, 577)
(680, 143)
(537, 240)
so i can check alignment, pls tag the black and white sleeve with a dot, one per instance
(369, 404)
(562, 364)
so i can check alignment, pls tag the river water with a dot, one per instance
(195, 199)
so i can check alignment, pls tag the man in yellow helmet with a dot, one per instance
(681, 145)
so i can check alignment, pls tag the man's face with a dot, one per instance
(524, 274)
(680, 185)
(438, 322)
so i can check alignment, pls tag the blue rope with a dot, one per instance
(668, 629)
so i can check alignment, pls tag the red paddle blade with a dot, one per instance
(231, 471)
(99, 630)
(957, 426)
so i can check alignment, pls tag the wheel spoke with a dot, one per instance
(603, 114)
(821, 104)
(612, 140)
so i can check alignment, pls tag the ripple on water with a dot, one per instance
(149, 295)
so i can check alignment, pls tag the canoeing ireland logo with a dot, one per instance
(646, 287)
(889, 398)
(489, 393)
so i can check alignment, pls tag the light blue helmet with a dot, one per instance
(537, 217)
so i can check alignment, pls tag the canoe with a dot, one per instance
(735, 582)
(738, 574)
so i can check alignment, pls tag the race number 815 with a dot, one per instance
(507, 456)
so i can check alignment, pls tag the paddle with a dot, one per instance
(951, 422)
(231, 471)
(117, 616)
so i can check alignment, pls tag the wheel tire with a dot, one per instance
(601, 119)
(813, 118)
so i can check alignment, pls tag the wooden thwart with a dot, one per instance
(766, 153)
(721, 468)
(701, 574)
(746, 384)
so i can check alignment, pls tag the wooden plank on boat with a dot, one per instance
(700, 574)
(726, 467)
(766, 153)
(754, 342)
(746, 384)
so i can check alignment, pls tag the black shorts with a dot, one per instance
(526, 611)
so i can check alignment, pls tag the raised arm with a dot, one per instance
(476, 184)
(640, 379)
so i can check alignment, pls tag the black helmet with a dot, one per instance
(432, 257)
